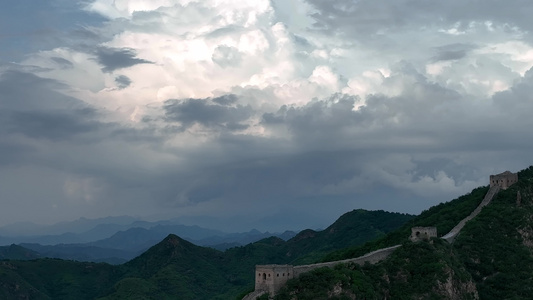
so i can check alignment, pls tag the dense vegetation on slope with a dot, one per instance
(492, 257)
(497, 245)
(426, 270)
(444, 216)
(17, 252)
(55, 279)
(352, 228)
(174, 268)
(177, 268)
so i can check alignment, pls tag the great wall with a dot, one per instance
(270, 278)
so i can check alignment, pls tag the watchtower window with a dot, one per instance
(264, 276)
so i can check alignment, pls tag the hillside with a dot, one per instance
(17, 252)
(174, 267)
(444, 216)
(492, 258)
(55, 279)
(414, 271)
(497, 246)
(351, 229)
(178, 267)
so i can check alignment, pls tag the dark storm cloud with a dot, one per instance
(122, 81)
(517, 100)
(226, 99)
(452, 52)
(37, 123)
(53, 125)
(366, 17)
(13, 152)
(273, 179)
(31, 106)
(117, 58)
(41, 128)
(203, 111)
(413, 136)
(300, 40)
(417, 143)
(31, 26)
(23, 90)
(337, 153)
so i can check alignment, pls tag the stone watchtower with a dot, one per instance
(422, 233)
(270, 278)
(503, 180)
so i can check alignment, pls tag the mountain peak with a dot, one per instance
(173, 240)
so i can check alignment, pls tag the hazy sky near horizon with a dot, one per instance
(238, 114)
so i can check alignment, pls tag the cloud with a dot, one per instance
(212, 111)
(23, 91)
(452, 52)
(122, 81)
(50, 125)
(408, 14)
(63, 63)
(114, 58)
(202, 111)
(226, 99)
(226, 56)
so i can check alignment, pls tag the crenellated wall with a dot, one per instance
(372, 258)
(450, 236)
(270, 278)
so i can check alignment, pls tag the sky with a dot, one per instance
(236, 114)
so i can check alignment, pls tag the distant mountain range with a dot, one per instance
(176, 268)
(81, 226)
(492, 258)
(92, 240)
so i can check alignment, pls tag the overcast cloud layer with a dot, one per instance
(268, 114)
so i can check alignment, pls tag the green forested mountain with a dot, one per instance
(497, 246)
(17, 252)
(177, 269)
(444, 216)
(309, 246)
(492, 258)
(414, 271)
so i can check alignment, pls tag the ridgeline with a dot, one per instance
(491, 258)
(177, 268)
